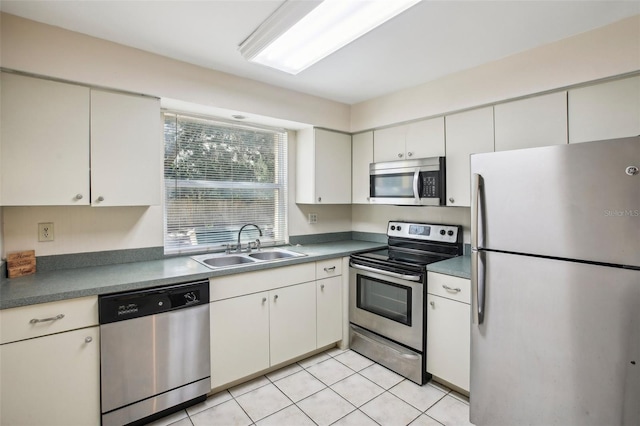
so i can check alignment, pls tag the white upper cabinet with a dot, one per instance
(605, 111)
(45, 142)
(420, 139)
(533, 122)
(126, 146)
(66, 144)
(362, 156)
(468, 133)
(323, 167)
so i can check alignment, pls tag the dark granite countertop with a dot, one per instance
(71, 283)
(458, 266)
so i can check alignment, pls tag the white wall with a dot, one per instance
(604, 52)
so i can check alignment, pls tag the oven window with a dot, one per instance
(383, 298)
(398, 185)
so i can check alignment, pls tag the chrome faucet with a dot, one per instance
(239, 246)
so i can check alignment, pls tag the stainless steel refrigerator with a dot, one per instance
(555, 334)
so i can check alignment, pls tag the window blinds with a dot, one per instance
(218, 177)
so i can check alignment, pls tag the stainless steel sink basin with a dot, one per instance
(222, 260)
(272, 255)
(218, 262)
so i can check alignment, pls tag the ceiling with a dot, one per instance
(428, 41)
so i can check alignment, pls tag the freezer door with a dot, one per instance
(579, 201)
(559, 345)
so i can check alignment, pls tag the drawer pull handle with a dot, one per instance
(455, 290)
(57, 317)
(331, 269)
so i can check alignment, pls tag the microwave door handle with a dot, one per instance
(416, 186)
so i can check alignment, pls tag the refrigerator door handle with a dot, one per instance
(477, 266)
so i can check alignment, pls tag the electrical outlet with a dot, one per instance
(313, 218)
(45, 231)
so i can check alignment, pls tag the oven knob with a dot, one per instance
(450, 233)
(399, 228)
(442, 232)
(393, 227)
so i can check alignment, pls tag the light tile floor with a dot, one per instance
(336, 387)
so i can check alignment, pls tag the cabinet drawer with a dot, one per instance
(26, 322)
(454, 288)
(328, 268)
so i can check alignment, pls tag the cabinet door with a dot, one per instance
(605, 111)
(292, 321)
(361, 157)
(425, 139)
(467, 133)
(45, 142)
(389, 143)
(126, 144)
(239, 337)
(333, 167)
(51, 380)
(329, 315)
(532, 122)
(449, 340)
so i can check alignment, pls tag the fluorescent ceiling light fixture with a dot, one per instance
(300, 33)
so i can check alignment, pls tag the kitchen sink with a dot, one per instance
(223, 260)
(218, 262)
(271, 255)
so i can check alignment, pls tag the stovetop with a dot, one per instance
(412, 253)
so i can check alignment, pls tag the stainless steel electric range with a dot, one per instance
(387, 295)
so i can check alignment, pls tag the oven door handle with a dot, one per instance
(416, 278)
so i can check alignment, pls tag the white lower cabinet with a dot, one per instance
(292, 321)
(51, 380)
(329, 310)
(449, 329)
(291, 311)
(239, 337)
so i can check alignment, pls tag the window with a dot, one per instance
(218, 177)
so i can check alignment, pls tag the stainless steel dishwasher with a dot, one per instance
(154, 347)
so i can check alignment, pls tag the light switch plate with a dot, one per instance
(45, 231)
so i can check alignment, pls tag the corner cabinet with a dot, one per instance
(66, 144)
(361, 157)
(448, 329)
(323, 167)
(419, 139)
(50, 370)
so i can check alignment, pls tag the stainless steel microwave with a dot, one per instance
(419, 182)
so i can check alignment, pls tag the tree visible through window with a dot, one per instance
(218, 177)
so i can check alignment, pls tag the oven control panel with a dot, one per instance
(423, 231)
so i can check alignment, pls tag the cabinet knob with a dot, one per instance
(322, 287)
(275, 297)
(264, 299)
(451, 200)
(433, 304)
(100, 198)
(399, 155)
(78, 197)
(88, 339)
(409, 154)
(319, 199)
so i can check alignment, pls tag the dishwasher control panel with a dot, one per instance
(140, 303)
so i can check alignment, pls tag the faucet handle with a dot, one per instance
(257, 244)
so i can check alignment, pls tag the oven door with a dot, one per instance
(388, 304)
